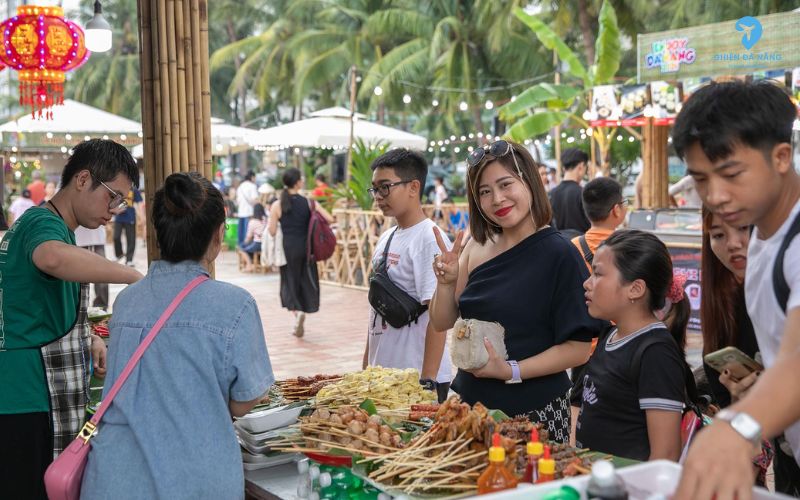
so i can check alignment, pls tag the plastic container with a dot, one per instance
(659, 477)
(546, 468)
(232, 232)
(496, 477)
(535, 450)
(266, 420)
(605, 484)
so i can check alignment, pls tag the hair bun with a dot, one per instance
(183, 194)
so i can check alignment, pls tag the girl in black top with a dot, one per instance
(521, 273)
(299, 279)
(726, 323)
(634, 385)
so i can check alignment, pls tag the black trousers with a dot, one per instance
(130, 239)
(100, 289)
(26, 449)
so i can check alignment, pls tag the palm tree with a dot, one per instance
(457, 49)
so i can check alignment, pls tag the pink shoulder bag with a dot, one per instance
(63, 477)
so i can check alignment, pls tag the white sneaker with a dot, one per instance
(130, 264)
(298, 325)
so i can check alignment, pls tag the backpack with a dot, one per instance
(779, 284)
(321, 240)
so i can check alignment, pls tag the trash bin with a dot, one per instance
(232, 232)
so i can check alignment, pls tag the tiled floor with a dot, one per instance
(334, 337)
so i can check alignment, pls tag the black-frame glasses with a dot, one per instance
(383, 189)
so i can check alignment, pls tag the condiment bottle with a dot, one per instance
(535, 450)
(547, 467)
(496, 477)
(605, 484)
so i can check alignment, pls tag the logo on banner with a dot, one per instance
(752, 29)
(669, 54)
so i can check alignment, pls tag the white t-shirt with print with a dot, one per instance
(410, 268)
(762, 305)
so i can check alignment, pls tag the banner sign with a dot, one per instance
(738, 47)
(686, 262)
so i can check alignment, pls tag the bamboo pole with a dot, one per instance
(188, 57)
(205, 87)
(163, 64)
(197, 77)
(148, 132)
(172, 66)
(183, 130)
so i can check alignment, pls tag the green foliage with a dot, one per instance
(457, 183)
(607, 49)
(536, 124)
(361, 174)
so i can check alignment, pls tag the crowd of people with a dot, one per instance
(572, 292)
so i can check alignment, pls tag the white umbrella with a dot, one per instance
(225, 139)
(331, 128)
(74, 118)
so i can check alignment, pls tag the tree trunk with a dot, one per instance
(586, 32)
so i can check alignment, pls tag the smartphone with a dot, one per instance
(739, 364)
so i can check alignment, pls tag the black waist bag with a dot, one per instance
(392, 303)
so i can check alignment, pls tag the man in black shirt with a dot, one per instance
(566, 197)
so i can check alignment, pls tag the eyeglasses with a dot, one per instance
(624, 203)
(496, 149)
(383, 189)
(117, 205)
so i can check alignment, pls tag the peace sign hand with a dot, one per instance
(445, 265)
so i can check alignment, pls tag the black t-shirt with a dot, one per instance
(612, 418)
(567, 206)
(745, 342)
(535, 290)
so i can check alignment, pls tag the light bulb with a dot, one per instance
(98, 31)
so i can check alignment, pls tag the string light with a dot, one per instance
(463, 106)
(378, 91)
(434, 103)
(489, 104)
(407, 99)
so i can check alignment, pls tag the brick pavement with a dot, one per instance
(335, 336)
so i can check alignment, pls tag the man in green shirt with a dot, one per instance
(40, 274)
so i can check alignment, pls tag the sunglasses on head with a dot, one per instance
(496, 149)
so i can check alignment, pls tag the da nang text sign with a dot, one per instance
(745, 45)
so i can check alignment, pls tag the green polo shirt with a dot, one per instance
(35, 309)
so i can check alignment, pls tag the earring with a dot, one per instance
(633, 301)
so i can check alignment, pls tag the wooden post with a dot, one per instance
(176, 101)
(655, 173)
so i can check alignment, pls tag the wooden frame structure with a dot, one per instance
(176, 96)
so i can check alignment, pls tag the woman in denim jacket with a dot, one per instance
(168, 434)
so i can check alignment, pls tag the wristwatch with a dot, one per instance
(428, 384)
(744, 424)
(515, 376)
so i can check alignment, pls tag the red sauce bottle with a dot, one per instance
(496, 477)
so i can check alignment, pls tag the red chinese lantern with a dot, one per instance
(42, 46)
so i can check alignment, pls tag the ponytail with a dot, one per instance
(677, 319)
(290, 179)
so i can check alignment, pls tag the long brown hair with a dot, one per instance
(721, 292)
(481, 228)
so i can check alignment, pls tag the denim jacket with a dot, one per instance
(168, 433)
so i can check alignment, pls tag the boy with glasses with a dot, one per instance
(398, 179)
(606, 209)
(44, 345)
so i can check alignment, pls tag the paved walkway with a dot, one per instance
(335, 336)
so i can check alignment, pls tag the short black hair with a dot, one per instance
(572, 157)
(104, 159)
(721, 115)
(26, 193)
(599, 197)
(407, 164)
(250, 175)
(320, 177)
(187, 211)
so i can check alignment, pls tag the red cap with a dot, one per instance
(496, 440)
(546, 452)
(534, 435)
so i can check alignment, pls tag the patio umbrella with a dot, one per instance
(331, 128)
